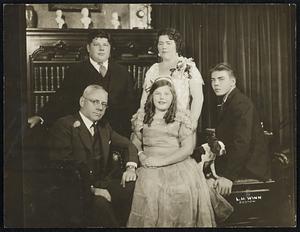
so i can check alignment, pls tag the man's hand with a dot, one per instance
(33, 121)
(101, 192)
(223, 185)
(128, 175)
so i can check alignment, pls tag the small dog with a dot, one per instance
(206, 154)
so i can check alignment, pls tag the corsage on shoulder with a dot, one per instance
(76, 124)
(183, 67)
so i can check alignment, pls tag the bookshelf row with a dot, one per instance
(40, 101)
(138, 73)
(48, 78)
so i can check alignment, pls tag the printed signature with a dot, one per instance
(248, 199)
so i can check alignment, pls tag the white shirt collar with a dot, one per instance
(227, 94)
(97, 66)
(87, 122)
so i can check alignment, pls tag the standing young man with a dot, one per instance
(97, 69)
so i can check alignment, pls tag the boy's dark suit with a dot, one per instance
(117, 82)
(239, 128)
(70, 141)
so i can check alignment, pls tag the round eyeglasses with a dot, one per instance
(96, 102)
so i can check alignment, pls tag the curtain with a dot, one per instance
(257, 40)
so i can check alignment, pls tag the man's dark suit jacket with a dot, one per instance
(239, 128)
(117, 82)
(71, 141)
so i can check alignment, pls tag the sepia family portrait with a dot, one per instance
(149, 115)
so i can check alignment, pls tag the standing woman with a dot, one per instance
(185, 76)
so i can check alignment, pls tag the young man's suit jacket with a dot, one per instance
(71, 141)
(239, 128)
(117, 82)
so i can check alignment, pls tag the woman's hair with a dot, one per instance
(150, 107)
(173, 34)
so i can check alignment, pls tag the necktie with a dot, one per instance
(220, 110)
(94, 161)
(95, 135)
(102, 69)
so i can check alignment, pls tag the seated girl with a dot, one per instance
(171, 190)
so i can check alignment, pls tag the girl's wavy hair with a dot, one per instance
(150, 108)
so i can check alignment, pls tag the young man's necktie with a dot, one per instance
(220, 108)
(102, 69)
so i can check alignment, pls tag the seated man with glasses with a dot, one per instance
(84, 140)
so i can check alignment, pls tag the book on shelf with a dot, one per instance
(41, 78)
(63, 68)
(36, 105)
(35, 87)
(46, 79)
(57, 77)
(129, 68)
(134, 73)
(139, 72)
(42, 101)
(52, 78)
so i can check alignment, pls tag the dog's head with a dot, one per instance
(210, 150)
(216, 146)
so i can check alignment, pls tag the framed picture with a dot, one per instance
(75, 7)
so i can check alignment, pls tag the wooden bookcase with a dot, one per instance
(50, 52)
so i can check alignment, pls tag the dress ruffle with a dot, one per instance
(186, 126)
(137, 120)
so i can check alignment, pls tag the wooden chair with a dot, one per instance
(253, 200)
(258, 203)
